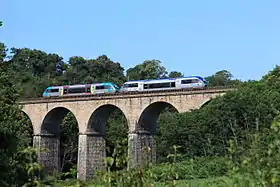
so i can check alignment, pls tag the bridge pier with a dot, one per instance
(91, 154)
(141, 148)
(50, 158)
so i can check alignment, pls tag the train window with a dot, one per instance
(107, 87)
(146, 86)
(161, 85)
(132, 85)
(76, 90)
(186, 81)
(195, 81)
(88, 89)
(65, 91)
(53, 90)
(99, 87)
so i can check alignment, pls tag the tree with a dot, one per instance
(149, 69)
(34, 70)
(69, 142)
(3, 51)
(272, 78)
(116, 139)
(101, 69)
(36, 62)
(206, 131)
(221, 78)
(13, 134)
(175, 74)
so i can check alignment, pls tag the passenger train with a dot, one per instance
(164, 84)
(81, 89)
(130, 86)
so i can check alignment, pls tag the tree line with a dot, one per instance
(34, 70)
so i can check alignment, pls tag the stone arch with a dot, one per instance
(143, 141)
(53, 119)
(206, 103)
(49, 138)
(92, 144)
(33, 118)
(149, 115)
(99, 117)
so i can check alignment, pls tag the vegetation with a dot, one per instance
(231, 141)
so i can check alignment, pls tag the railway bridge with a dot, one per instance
(91, 112)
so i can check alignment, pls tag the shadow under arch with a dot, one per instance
(149, 116)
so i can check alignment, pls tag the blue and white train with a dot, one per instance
(130, 86)
(81, 89)
(164, 84)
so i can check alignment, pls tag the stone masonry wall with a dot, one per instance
(142, 149)
(50, 157)
(91, 154)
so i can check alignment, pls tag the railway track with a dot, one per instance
(125, 95)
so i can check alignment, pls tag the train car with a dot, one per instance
(53, 91)
(191, 82)
(132, 86)
(108, 87)
(164, 84)
(81, 89)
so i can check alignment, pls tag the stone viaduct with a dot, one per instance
(92, 112)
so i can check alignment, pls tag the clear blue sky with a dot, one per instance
(194, 37)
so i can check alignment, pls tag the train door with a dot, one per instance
(92, 91)
(178, 83)
(140, 86)
(61, 91)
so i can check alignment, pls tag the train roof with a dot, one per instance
(165, 79)
(80, 85)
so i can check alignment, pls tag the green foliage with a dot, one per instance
(116, 139)
(35, 62)
(26, 165)
(205, 132)
(273, 78)
(222, 78)
(149, 69)
(259, 164)
(18, 166)
(69, 143)
(167, 174)
(175, 74)
(101, 69)
(3, 52)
